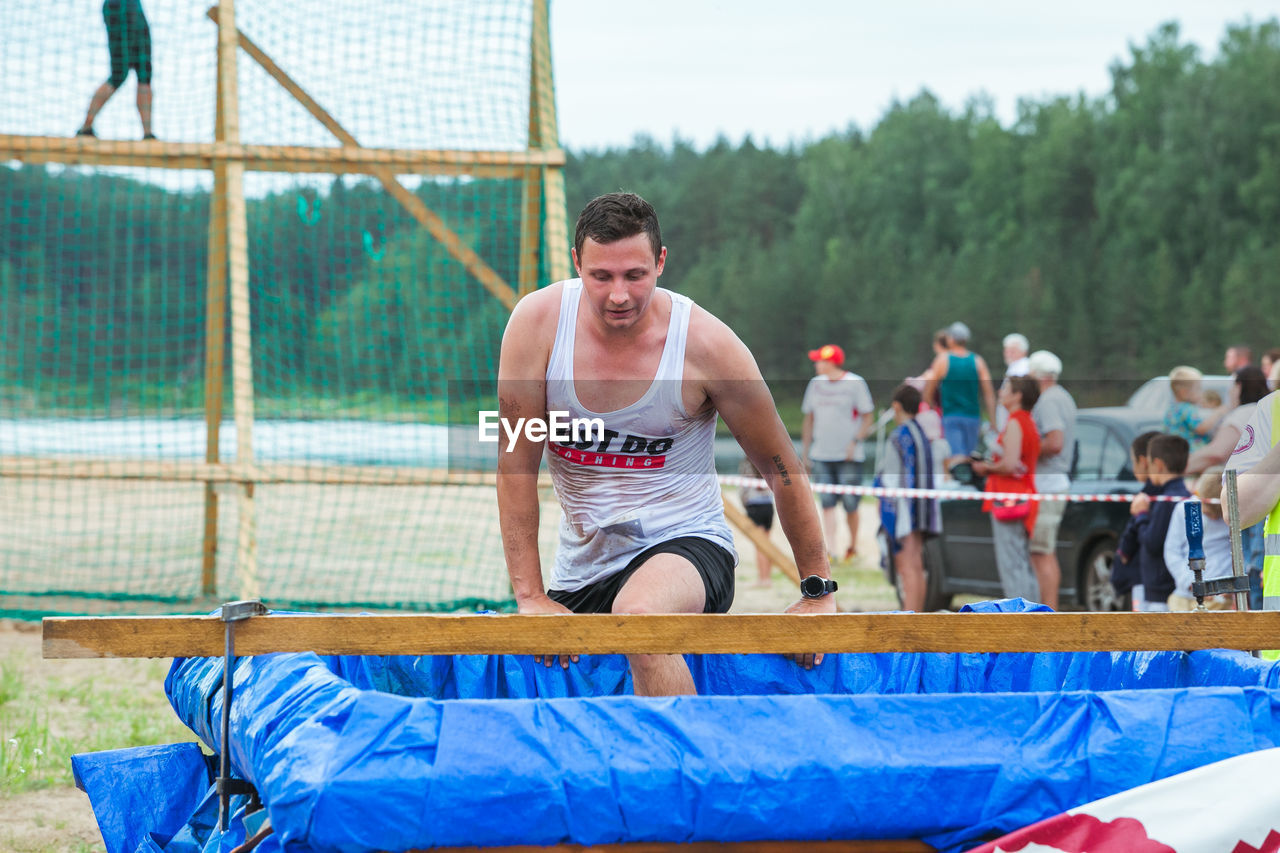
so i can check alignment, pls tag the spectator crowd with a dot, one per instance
(1017, 438)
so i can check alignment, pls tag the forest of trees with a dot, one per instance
(1127, 233)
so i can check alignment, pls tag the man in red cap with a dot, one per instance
(837, 418)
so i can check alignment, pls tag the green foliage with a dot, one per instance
(353, 307)
(1126, 233)
(46, 719)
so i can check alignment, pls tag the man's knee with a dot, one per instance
(666, 583)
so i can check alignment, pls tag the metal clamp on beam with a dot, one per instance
(1222, 586)
(1200, 587)
(232, 612)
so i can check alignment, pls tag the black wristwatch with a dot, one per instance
(816, 587)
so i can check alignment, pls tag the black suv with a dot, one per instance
(962, 559)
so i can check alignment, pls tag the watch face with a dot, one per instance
(813, 587)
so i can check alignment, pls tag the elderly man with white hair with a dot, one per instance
(1055, 417)
(1016, 347)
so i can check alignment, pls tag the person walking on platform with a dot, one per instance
(643, 527)
(960, 384)
(129, 42)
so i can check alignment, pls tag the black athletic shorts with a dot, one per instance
(760, 514)
(714, 563)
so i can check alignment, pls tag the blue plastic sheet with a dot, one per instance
(947, 748)
(122, 785)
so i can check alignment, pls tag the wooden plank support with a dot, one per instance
(271, 473)
(85, 151)
(416, 207)
(542, 104)
(202, 636)
(214, 347)
(246, 558)
(531, 192)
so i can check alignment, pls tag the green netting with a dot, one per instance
(368, 337)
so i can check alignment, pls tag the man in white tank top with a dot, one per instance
(643, 528)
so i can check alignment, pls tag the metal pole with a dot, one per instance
(1238, 567)
(224, 753)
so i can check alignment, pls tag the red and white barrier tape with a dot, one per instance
(954, 494)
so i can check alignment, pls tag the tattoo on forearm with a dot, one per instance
(782, 469)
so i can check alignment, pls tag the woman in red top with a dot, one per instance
(1013, 469)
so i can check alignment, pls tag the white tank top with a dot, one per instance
(651, 479)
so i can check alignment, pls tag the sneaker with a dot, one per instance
(86, 131)
(147, 136)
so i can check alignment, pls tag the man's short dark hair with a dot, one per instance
(617, 216)
(1172, 450)
(1027, 389)
(1142, 442)
(907, 396)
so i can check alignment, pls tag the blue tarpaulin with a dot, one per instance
(395, 753)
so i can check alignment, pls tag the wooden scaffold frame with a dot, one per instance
(543, 237)
(539, 168)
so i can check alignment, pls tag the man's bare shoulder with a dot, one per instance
(538, 309)
(530, 333)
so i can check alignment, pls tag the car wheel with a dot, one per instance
(1096, 591)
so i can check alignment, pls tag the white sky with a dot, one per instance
(779, 71)
(791, 71)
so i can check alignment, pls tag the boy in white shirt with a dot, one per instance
(1217, 545)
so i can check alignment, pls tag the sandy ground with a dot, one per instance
(59, 820)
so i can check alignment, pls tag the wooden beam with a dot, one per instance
(214, 347)
(86, 151)
(556, 230)
(530, 231)
(530, 204)
(877, 846)
(531, 186)
(196, 636)
(246, 557)
(543, 98)
(271, 473)
(429, 219)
